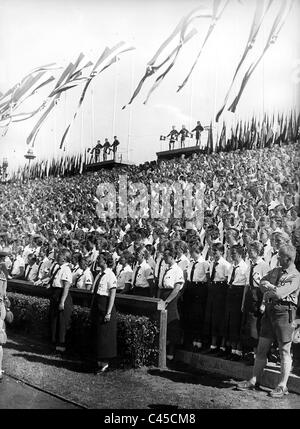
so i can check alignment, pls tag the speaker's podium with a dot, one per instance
(106, 165)
(177, 153)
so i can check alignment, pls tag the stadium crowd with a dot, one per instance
(209, 276)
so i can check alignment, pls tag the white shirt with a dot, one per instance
(173, 275)
(259, 271)
(200, 271)
(274, 261)
(83, 279)
(144, 274)
(45, 268)
(240, 277)
(222, 270)
(63, 274)
(124, 275)
(107, 282)
(27, 251)
(183, 263)
(17, 264)
(267, 252)
(31, 272)
(159, 273)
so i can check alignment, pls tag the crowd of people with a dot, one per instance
(214, 278)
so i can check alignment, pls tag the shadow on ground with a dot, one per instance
(181, 373)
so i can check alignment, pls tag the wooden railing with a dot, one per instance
(153, 308)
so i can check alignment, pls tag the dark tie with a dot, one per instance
(274, 253)
(233, 275)
(251, 275)
(193, 270)
(162, 282)
(98, 283)
(79, 277)
(54, 272)
(120, 272)
(95, 291)
(28, 272)
(213, 273)
(39, 269)
(159, 268)
(135, 276)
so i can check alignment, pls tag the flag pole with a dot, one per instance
(130, 107)
(92, 118)
(115, 98)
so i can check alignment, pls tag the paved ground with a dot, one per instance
(175, 388)
(17, 395)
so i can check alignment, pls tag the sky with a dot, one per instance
(37, 32)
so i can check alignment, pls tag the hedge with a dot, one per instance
(137, 336)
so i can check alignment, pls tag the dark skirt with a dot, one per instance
(233, 314)
(194, 305)
(60, 320)
(215, 309)
(141, 291)
(105, 332)
(173, 319)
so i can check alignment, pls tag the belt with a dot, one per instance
(199, 283)
(281, 302)
(236, 286)
(220, 283)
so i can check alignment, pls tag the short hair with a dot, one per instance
(238, 248)
(66, 253)
(127, 256)
(218, 247)
(107, 257)
(196, 247)
(252, 233)
(257, 247)
(143, 250)
(288, 250)
(180, 244)
(282, 235)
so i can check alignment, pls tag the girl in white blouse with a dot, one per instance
(103, 312)
(124, 273)
(172, 284)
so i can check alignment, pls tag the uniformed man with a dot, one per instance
(106, 149)
(281, 287)
(114, 146)
(252, 301)
(198, 128)
(97, 151)
(184, 133)
(173, 134)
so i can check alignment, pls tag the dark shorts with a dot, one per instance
(276, 323)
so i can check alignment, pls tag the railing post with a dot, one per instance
(162, 362)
